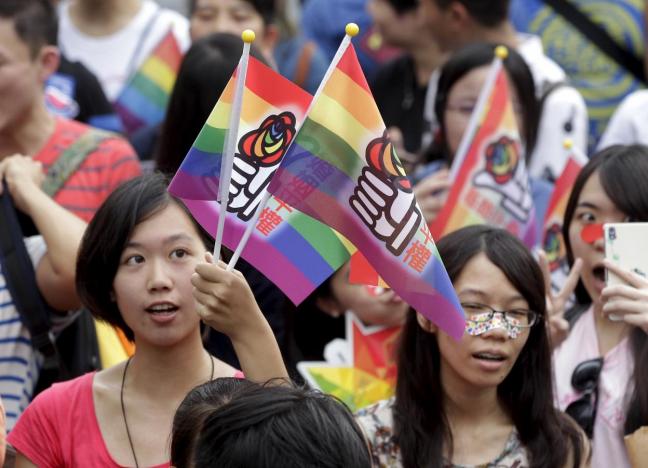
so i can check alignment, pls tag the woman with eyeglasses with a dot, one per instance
(600, 372)
(486, 400)
(460, 83)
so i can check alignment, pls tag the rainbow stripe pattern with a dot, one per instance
(144, 99)
(291, 249)
(343, 171)
(553, 242)
(491, 185)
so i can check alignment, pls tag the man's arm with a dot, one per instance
(61, 230)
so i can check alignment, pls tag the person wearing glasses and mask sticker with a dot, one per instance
(596, 378)
(486, 400)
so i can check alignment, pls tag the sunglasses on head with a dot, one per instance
(585, 379)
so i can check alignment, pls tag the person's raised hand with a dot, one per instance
(558, 327)
(431, 194)
(23, 176)
(627, 301)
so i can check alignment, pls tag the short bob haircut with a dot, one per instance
(478, 55)
(623, 172)
(106, 236)
(266, 426)
(420, 422)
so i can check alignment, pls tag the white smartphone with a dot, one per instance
(625, 245)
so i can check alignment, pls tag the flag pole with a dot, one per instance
(231, 140)
(501, 52)
(350, 30)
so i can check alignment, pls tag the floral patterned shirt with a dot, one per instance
(377, 424)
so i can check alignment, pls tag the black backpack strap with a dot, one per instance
(21, 282)
(600, 37)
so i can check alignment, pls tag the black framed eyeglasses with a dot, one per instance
(585, 379)
(477, 312)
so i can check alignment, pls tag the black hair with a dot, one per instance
(190, 416)
(203, 75)
(474, 56)
(106, 236)
(488, 13)
(420, 423)
(35, 22)
(623, 172)
(266, 8)
(402, 6)
(280, 425)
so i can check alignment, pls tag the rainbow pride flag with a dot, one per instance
(491, 183)
(144, 99)
(367, 372)
(291, 249)
(343, 170)
(553, 242)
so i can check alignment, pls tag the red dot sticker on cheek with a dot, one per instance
(592, 232)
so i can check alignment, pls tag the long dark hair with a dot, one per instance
(623, 172)
(467, 59)
(202, 77)
(420, 423)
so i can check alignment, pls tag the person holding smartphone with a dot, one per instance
(598, 362)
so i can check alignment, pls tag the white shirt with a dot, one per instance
(114, 58)
(629, 124)
(564, 113)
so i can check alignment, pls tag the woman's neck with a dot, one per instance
(468, 405)
(609, 333)
(103, 17)
(426, 58)
(180, 367)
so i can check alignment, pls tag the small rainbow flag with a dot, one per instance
(369, 373)
(491, 184)
(144, 99)
(293, 250)
(553, 242)
(342, 170)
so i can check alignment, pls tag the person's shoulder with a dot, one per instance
(378, 414)
(636, 101)
(69, 389)
(544, 69)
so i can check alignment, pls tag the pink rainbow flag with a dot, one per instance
(491, 184)
(342, 170)
(291, 249)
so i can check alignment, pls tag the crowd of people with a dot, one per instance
(125, 342)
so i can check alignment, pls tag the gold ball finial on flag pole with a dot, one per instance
(568, 143)
(248, 36)
(352, 29)
(501, 52)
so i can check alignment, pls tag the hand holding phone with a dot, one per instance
(625, 247)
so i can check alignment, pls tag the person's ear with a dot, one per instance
(329, 306)
(426, 324)
(458, 15)
(49, 59)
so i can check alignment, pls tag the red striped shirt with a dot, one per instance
(113, 162)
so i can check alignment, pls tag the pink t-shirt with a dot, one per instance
(60, 428)
(608, 449)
